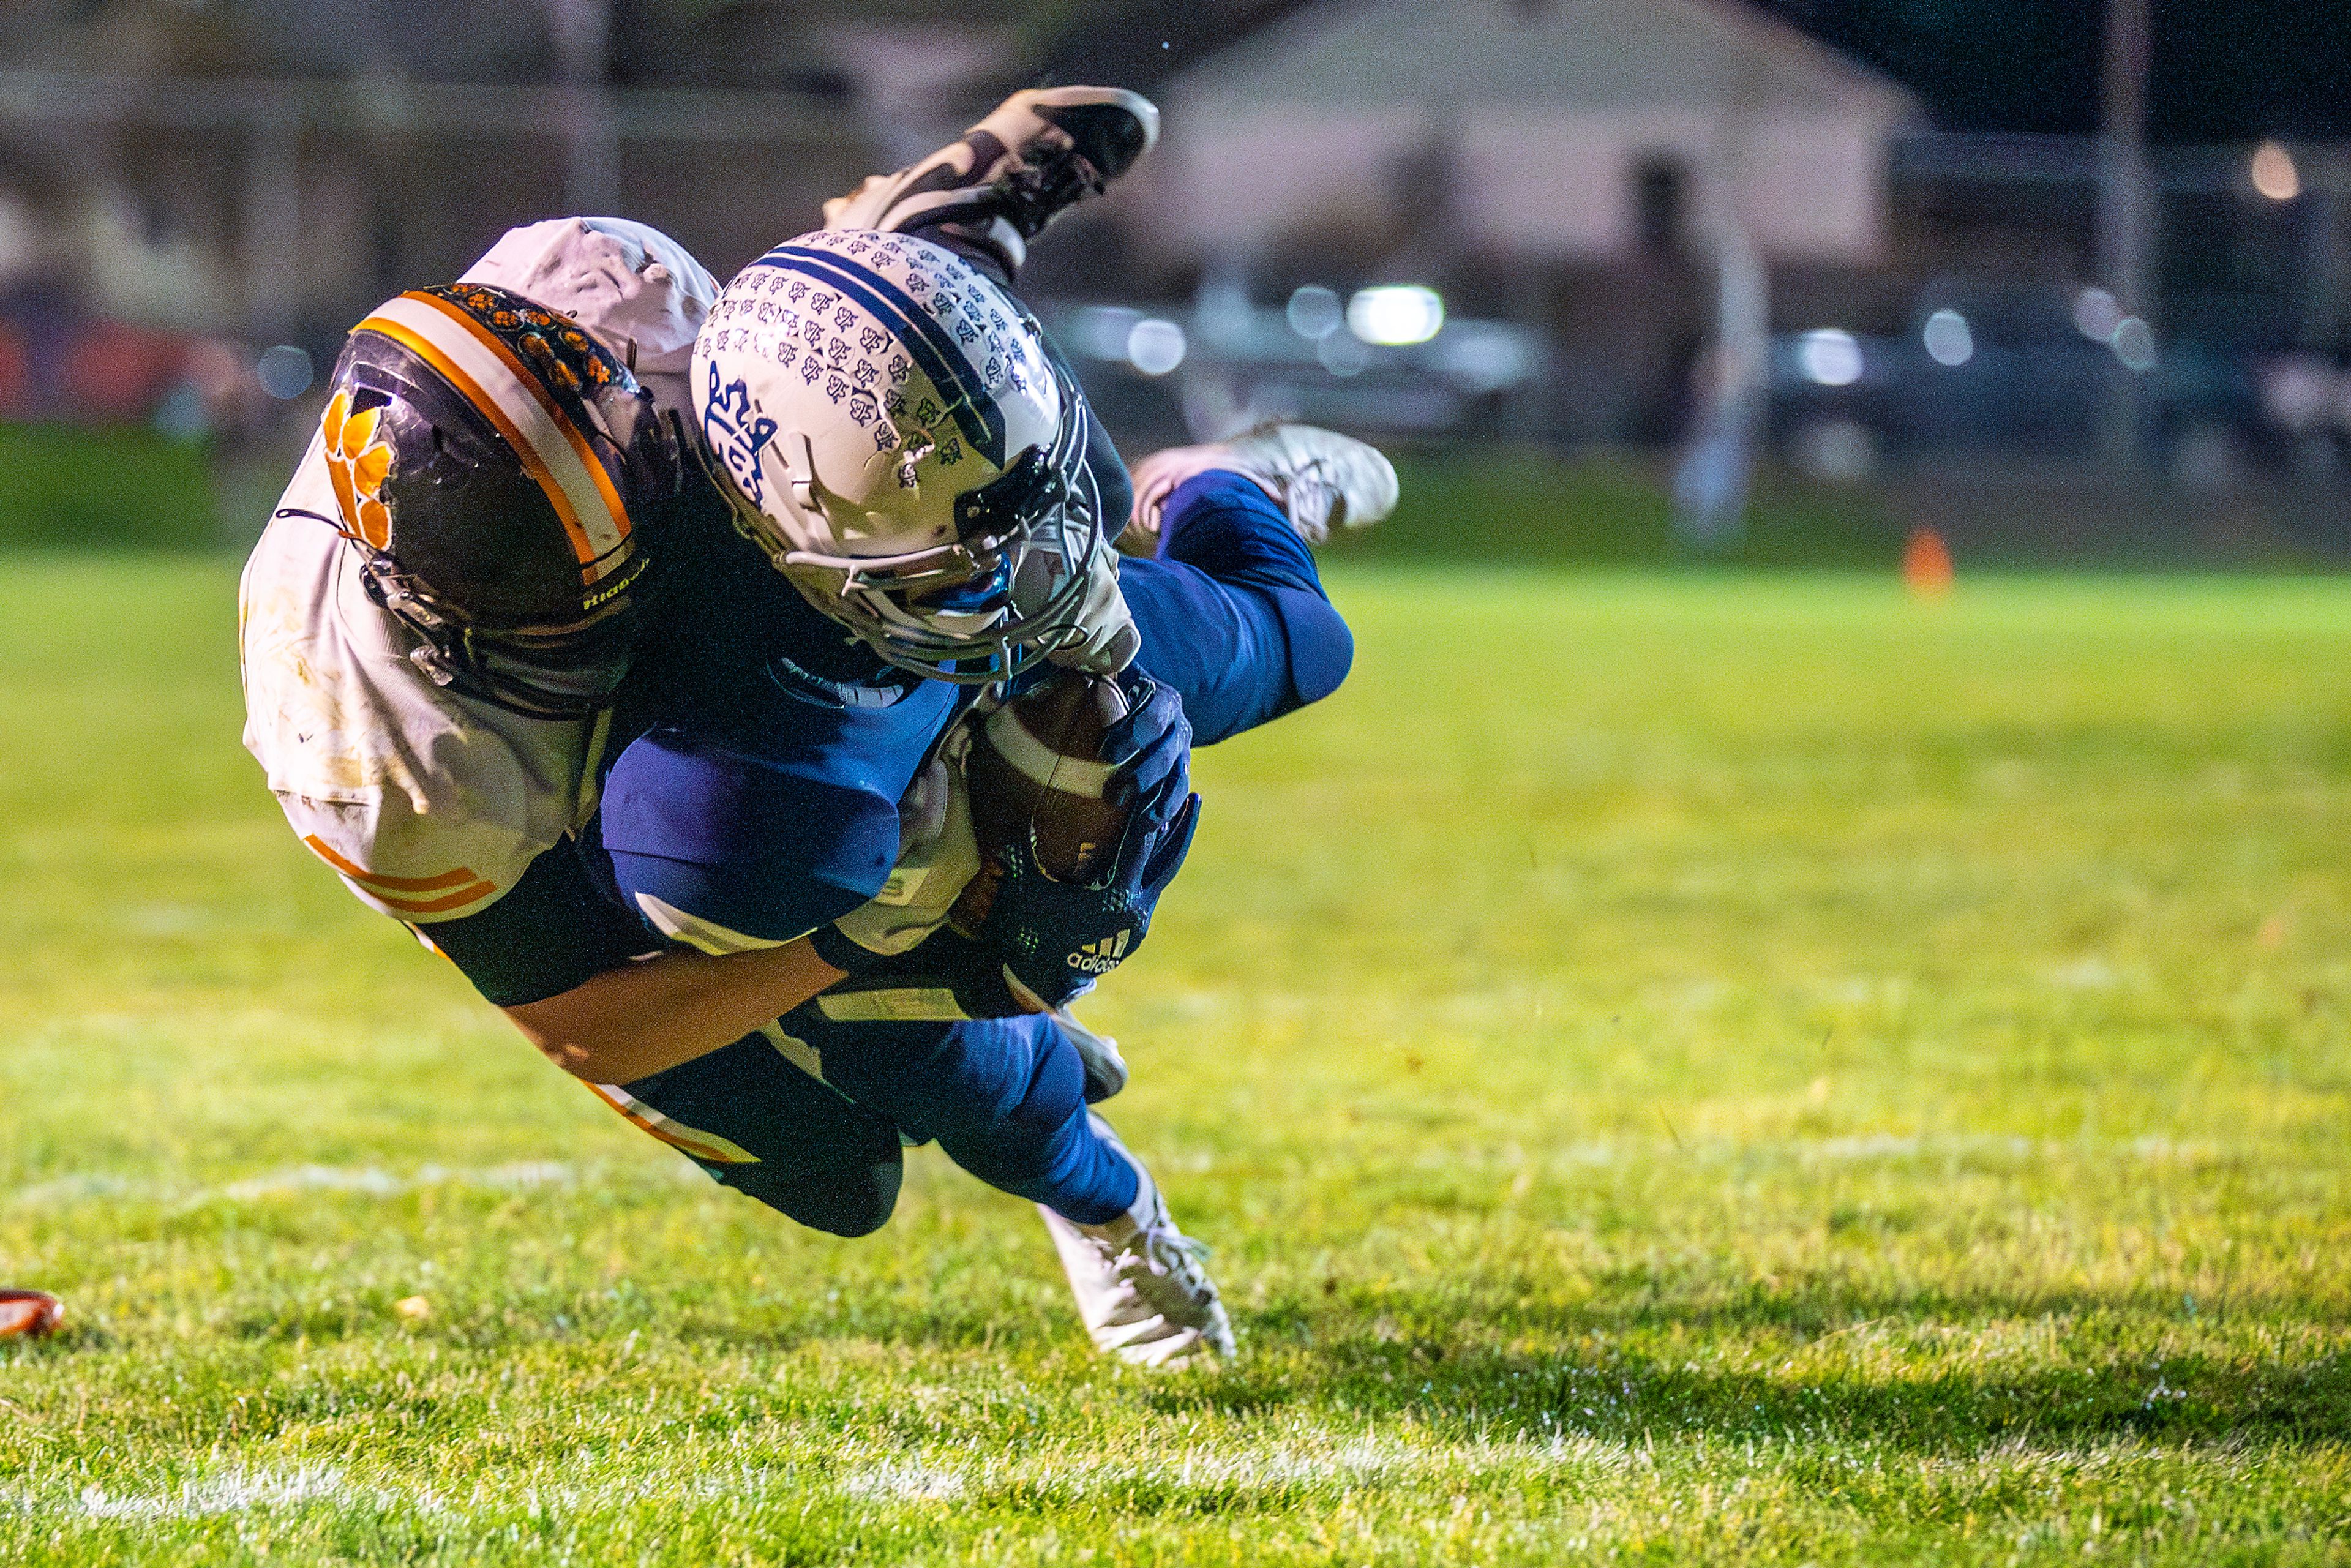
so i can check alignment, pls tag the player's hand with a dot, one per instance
(1151, 747)
(1058, 937)
(1103, 639)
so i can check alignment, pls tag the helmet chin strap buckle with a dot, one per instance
(428, 659)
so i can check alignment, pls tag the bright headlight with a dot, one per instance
(1830, 357)
(1394, 314)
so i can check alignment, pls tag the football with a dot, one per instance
(1033, 767)
(28, 1312)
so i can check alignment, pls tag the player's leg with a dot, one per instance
(1231, 611)
(1005, 1100)
(1321, 480)
(757, 1122)
(1004, 1097)
(995, 188)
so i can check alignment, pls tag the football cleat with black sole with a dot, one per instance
(1040, 153)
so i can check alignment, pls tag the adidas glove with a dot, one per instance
(1151, 747)
(1058, 937)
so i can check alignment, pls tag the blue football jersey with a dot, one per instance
(765, 752)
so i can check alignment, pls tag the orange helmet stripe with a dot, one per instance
(472, 360)
(562, 420)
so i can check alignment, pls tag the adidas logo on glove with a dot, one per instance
(1100, 957)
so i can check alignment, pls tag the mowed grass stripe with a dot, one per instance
(1691, 1069)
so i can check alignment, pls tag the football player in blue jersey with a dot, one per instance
(820, 371)
(454, 697)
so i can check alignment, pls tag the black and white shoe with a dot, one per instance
(1037, 154)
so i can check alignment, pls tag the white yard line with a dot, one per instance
(230, 1491)
(365, 1181)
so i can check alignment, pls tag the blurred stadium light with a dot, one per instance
(2097, 313)
(1948, 339)
(1314, 311)
(1395, 314)
(1830, 357)
(2127, 215)
(1155, 347)
(285, 371)
(1241, 362)
(2272, 172)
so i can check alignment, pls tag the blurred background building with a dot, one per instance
(1871, 242)
(1578, 170)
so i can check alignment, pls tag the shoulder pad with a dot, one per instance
(765, 848)
(427, 806)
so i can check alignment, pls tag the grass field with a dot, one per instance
(1673, 1069)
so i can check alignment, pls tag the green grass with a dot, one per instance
(1523, 507)
(111, 489)
(1674, 1069)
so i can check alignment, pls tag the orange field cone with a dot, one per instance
(1926, 564)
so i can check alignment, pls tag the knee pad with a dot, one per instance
(842, 1200)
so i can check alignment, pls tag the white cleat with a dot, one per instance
(1322, 479)
(1141, 1291)
(1037, 154)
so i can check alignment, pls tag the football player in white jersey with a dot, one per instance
(444, 760)
(433, 797)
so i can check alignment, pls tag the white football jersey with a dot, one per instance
(430, 805)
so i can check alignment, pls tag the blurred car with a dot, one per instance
(1389, 361)
(2022, 371)
(58, 365)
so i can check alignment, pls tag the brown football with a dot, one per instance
(1034, 767)
(28, 1312)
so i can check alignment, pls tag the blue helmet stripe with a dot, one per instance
(941, 359)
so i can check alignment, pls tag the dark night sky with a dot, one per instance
(2224, 70)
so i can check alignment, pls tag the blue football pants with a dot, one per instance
(1004, 1097)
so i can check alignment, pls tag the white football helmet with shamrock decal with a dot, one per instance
(888, 428)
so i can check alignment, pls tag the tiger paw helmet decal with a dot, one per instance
(359, 461)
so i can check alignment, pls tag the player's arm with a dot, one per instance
(588, 985)
(644, 1016)
(648, 1017)
(565, 960)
